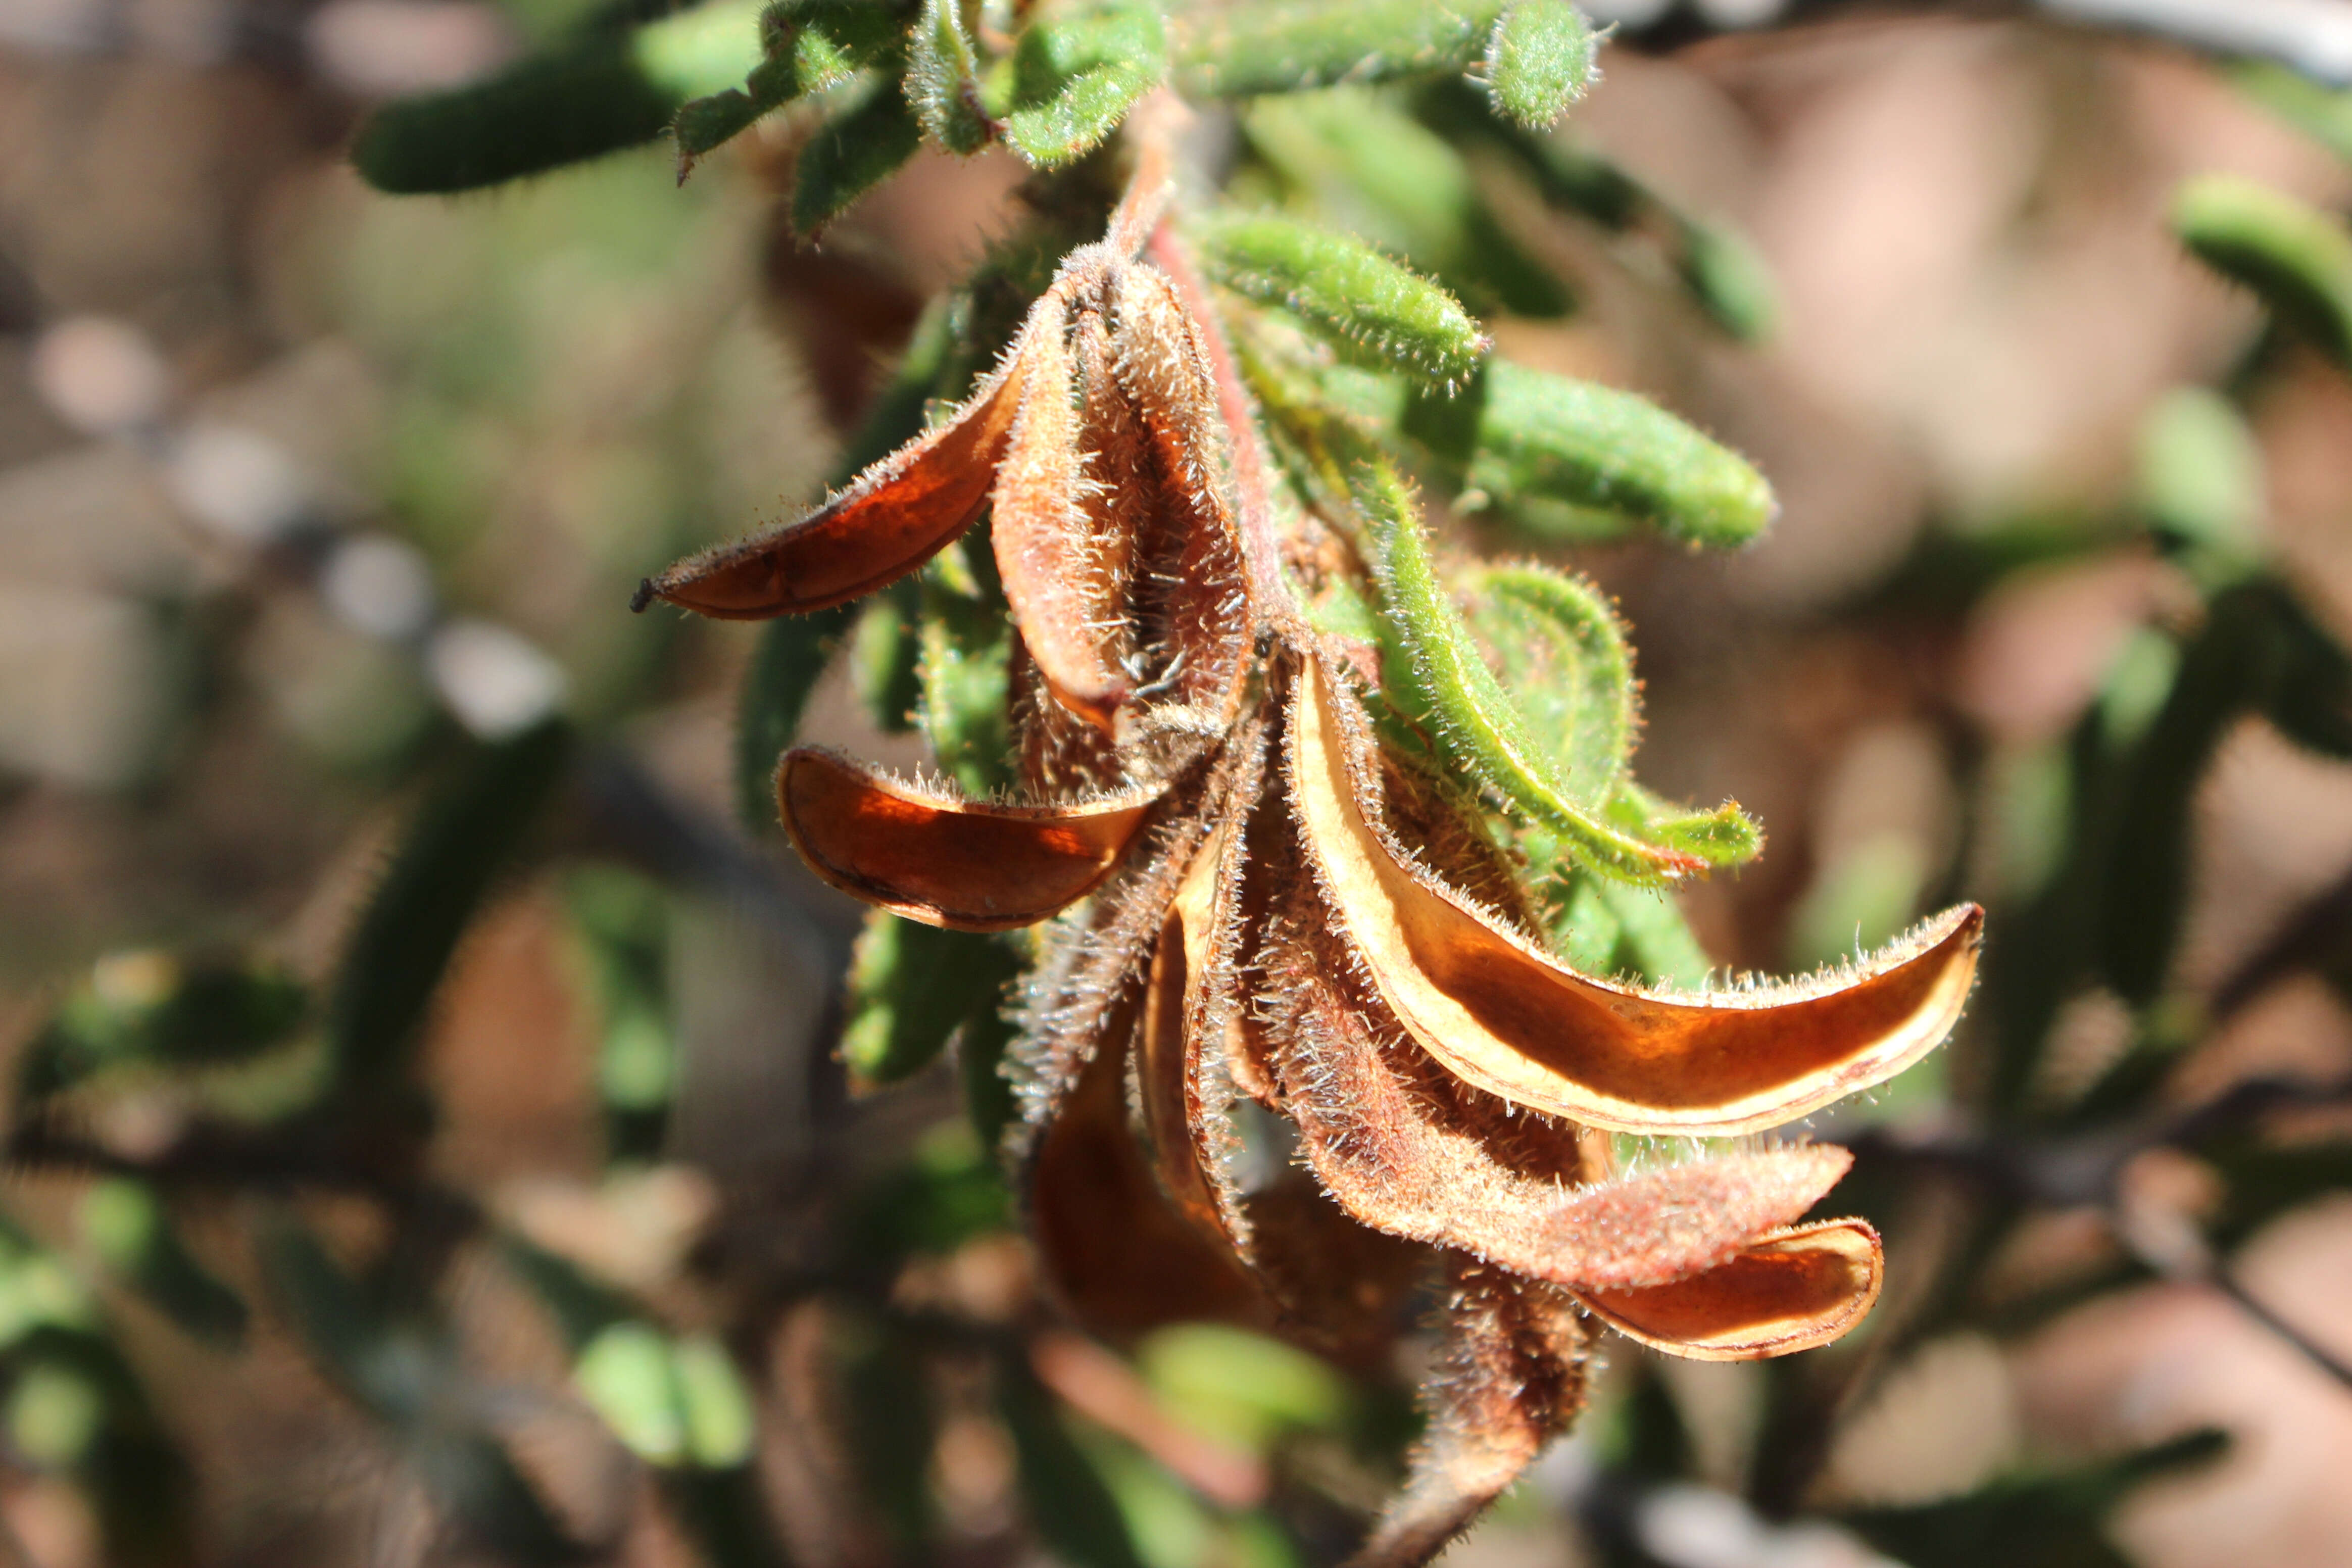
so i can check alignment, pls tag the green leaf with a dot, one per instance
(2052, 1520)
(2296, 260)
(597, 96)
(1724, 836)
(1476, 722)
(1368, 168)
(1346, 290)
(911, 986)
(892, 1430)
(1242, 1388)
(1729, 279)
(2222, 672)
(1239, 51)
(1858, 900)
(156, 1009)
(464, 835)
(2201, 480)
(1543, 438)
(1069, 1504)
(1075, 121)
(861, 143)
(790, 659)
(2311, 700)
(1539, 62)
(123, 1221)
(1556, 644)
(967, 670)
(885, 658)
(988, 1096)
(943, 79)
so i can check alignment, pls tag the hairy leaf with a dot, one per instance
(943, 80)
(861, 144)
(911, 986)
(2296, 260)
(1241, 50)
(1538, 61)
(1557, 647)
(1346, 290)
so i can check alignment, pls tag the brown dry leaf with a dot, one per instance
(888, 522)
(1518, 1023)
(1403, 1148)
(932, 856)
(1509, 1377)
(1790, 1292)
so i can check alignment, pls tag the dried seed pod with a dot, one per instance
(1509, 1377)
(1038, 527)
(1403, 1148)
(946, 861)
(1520, 1024)
(888, 522)
(1790, 1292)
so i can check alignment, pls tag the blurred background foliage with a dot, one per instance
(445, 1125)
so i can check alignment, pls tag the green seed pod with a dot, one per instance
(2295, 258)
(1539, 62)
(860, 145)
(591, 97)
(943, 79)
(1478, 726)
(1346, 290)
(1239, 51)
(1556, 643)
(910, 987)
(1543, 438)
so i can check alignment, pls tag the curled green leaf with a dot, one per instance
(1538, 61)
(1346, 290)
(2295, 258)
(1556, 644)
(1476, 722)
(1075, 76)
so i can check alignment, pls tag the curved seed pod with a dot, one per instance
(945, 861)
(1790, 1291)
(1197, 612)
(2295, 258)
(1046, 550)
(1539, 62)
(1544, 438)
(1345, 290)
(887, 522)
(1405, 1149)
(1509, 1377)
(1477, 722)
(1520, 1024)
(1189, 993)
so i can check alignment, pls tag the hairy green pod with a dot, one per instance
(861, 144)
(1539, 62)
(1240, 51)
(592, 97)
(910, 987)
(2296, 260)
(1543, 438)
(943, 79)
(1557, 645)
(1477, 724)
(1346, 290)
